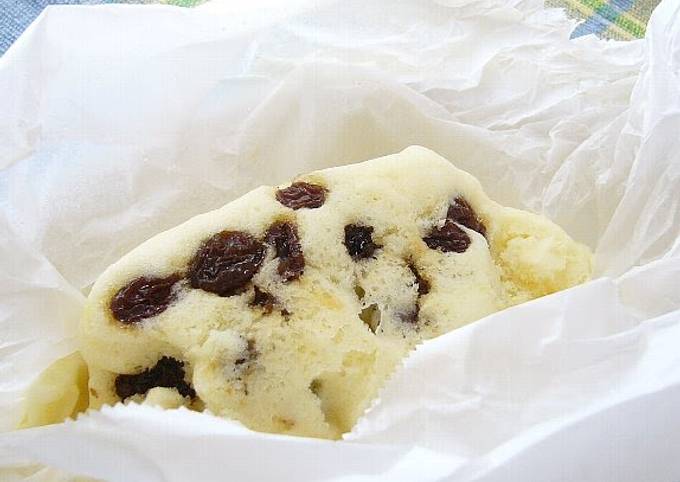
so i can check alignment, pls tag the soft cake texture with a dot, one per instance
(309, 358)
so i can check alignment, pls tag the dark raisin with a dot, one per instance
(263, 299)
(302, 195)
(422, 283)
(284, 237)
(167, 372)
(143, 298)
(226, 262)
(359, 241)
(448, 238)
(462, 213)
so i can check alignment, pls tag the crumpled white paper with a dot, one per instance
(119, 122)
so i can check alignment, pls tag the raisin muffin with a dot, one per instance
(288, 308)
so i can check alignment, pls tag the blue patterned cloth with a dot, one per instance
(603, 17)
(622, 19)
(611, 19)
(16, 15)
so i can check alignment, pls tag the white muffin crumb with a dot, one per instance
(302, 346)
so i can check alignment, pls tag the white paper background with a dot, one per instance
(118, 122)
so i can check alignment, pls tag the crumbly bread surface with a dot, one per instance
(304, 350)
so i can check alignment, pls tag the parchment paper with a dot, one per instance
(117, 122)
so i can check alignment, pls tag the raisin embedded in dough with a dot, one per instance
(226, 262)
(462, 213)
(143, 298)
(264, 300)
(302, 195)
(284, 237)
(422, 284)
(359, 241)
(448, 238)
(167, 372)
